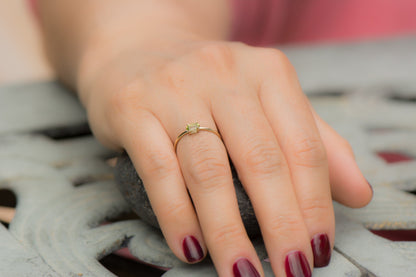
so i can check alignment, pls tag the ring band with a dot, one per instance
(191, 129)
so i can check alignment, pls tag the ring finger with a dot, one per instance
(205, 167)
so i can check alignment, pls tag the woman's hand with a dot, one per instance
(145, 69)
(285, 155)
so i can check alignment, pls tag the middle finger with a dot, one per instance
(264, 172)
(288, 111)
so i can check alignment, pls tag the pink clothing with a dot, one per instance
(263, 22)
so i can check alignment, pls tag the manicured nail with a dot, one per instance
(243, 268)
(321, 250)
(296, 265)
(192, 249)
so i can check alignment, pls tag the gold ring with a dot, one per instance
(191, 129)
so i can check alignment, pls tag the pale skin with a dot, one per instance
(145, 69)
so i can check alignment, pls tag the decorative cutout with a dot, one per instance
(130, 215)
(67, 132)
(394, 157)
(125, 267)
(83, 180)
(396, 235)
(403, 98)
(382, 130)
(412, 192)
(7, 198)
(7, 204)
(329, 93)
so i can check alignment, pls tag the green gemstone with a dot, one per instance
(192, 128)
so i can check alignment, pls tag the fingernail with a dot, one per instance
(192, 249)
(321, 250)
(243, 268)
(296, 265)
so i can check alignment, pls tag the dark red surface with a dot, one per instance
(394, 157)
(396, 235)
(125, 253)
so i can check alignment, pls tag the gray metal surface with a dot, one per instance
(65, 189)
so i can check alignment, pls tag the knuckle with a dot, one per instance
(172, 75)
(315, 207)
(208, 171)
(120, 102)
(175, 209)
(160, 163)
(125, 99)
(227, 234)
(121, 110)
(263, 158)
(309, 152)
(219, 56)
(283, 226)
(277, 60)
(274, 53)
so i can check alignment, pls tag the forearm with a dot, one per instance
(81, 35)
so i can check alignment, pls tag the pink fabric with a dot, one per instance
(265, 22)
(33, 6)
(262, 22)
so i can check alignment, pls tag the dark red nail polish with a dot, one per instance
(192, 249)
(243, 268)
(296, 265)
(321, 249)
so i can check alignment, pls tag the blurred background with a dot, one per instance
(21, 55)
(333, 75)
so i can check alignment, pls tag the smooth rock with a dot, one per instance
(131, 186)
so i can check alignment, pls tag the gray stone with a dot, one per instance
(131, 186)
